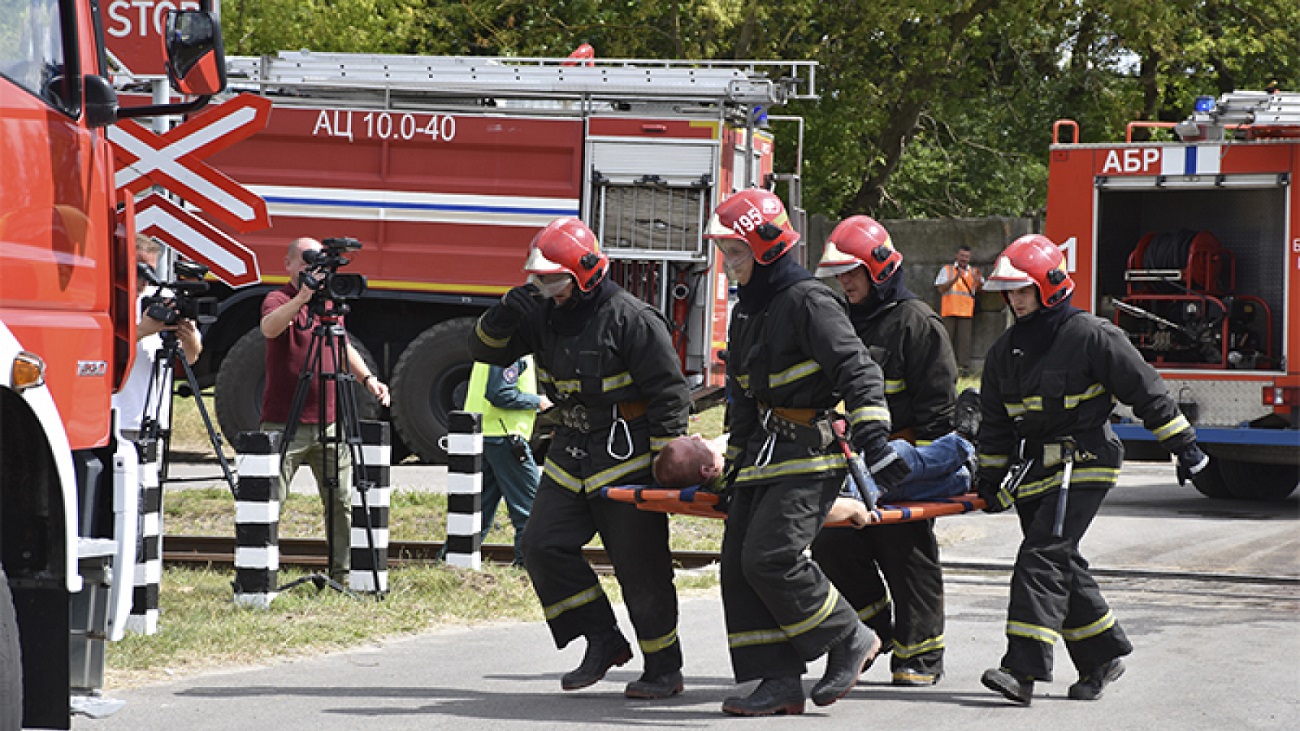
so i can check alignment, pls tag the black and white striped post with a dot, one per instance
(369, 572)
(464, 489)
(143, 619)
(257, 519)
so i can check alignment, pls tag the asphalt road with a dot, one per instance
(1208, 591)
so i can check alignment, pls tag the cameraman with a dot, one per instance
(134, 396)
(288, 324)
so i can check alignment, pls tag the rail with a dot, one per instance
(737, 81)
(311, 553)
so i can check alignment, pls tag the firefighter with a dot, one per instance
(792, 356)
(906, 338)
(1048, 387)
(605, 359)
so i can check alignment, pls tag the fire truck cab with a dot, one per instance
(1191, 245)
(69, 489)
(445, 167)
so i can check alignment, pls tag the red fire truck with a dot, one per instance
(1192, 246)
(68, 485)
(445, 167)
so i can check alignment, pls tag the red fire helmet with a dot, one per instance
(860, 241)
(757, 217)
(566, 245)
(1032, 259)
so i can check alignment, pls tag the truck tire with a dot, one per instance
(1255, 481)
(429, 383)
(1210, 482)
(11, 665)
(243, 377)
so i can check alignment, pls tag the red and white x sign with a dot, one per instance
(174, 160)
(227, 259)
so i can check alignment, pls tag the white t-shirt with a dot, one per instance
(130, 401)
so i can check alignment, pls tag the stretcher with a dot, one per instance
(706, 504)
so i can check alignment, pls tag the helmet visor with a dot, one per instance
(539, 264)
(834, 270)
(550, 285)
(718, 230)
(835, 262)
(1006, 277)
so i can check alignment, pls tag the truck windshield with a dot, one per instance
(31, 47)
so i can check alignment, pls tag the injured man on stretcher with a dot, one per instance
(940, 469)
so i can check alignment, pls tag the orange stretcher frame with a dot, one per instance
(702, 503)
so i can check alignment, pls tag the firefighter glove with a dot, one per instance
(517, 305)
(995, 498)
(524, 299)
(884, 464)
(1191, 462)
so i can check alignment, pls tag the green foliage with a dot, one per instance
(929, 107)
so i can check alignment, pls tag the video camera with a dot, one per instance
(176, 301)
(323, 277)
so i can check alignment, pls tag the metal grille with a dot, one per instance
(655, 221)
(1220, 403)
(644, 279)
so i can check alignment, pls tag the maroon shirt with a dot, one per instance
(285, 356)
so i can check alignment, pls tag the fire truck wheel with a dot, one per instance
(429, 383)
(243, 376)
(1255, 481)
(1210, 482)
(11, 667)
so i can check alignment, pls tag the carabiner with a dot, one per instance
(627, 434)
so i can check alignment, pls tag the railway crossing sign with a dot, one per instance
(226, 258)
(174, 160)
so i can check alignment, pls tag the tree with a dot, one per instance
(928, 107)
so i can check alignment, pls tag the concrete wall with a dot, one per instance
(927, 245)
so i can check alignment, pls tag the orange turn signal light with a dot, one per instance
(28, 371)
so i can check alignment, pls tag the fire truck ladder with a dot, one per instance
(1261, 113)
(740, 82)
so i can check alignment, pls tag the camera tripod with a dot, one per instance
(329, 334)
(151, 426)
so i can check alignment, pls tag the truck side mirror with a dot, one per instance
(101, 101)
(196, 63)
(196, 57)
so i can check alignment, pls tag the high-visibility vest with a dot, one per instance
(498, 422)
(960, 300)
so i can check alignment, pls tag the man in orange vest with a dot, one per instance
(958, 283)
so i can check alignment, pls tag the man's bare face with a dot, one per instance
(1024, 301)
(855, 283)
(294, 264)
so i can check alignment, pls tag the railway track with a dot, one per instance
(311, 553)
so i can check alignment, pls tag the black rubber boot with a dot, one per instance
(844, 663)
(655, 687)
(1012, 687)
(604, 651)
(915, 676)
(1094, 681)
(772, 697)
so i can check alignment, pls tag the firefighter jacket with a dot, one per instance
(907, 340)
(610, 368)
(797, 354)
(1065, 391)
